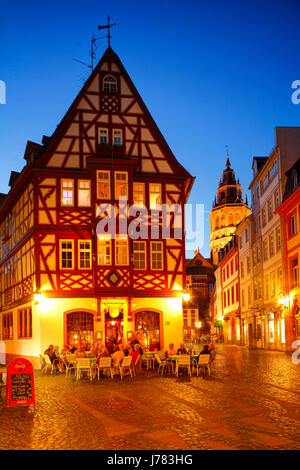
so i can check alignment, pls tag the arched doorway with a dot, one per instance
(113, 328)
(147, 329)
(80, 329)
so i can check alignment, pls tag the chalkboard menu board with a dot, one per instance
(21, 387)
(20, 383)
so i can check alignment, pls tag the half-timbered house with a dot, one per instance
(62, 279)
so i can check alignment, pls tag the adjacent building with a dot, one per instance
(289, 211)
(199, 284)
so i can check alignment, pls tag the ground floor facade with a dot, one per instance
(27, 330)
(264, 330)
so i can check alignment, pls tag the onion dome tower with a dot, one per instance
(227, 212)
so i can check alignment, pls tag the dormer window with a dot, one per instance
(109, 84)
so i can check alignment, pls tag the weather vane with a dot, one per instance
(107, 26)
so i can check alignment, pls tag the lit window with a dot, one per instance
(84, 193)
(293, 225)
(84, 254)
(295, 272)
(278, 239)
(154, 195)
(117, 137)
(103, 136)
(109, 84)
(121, 185)
(103, 184)
(270, 212)
(121, 246)
(25, 323)
(66, 254)
(67, 193)
(139, 194)
(139, 255)
(271, 245)
(276, 199)
(156, 255)
(104, 250)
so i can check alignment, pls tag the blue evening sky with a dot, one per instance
(211, 74)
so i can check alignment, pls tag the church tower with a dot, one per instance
(227, 212)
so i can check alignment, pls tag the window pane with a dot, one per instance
(84, 194)
(154, 195)
(121, 185)
(103, 184)
(67, 192)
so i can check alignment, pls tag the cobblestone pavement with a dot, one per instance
(251, 401)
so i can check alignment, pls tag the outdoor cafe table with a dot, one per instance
(175, 357)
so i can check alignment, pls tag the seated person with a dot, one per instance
(52, 356)
(118, 355)
(205, 350)
(65, 350)
(102, 353)
(80, 353)
(171, 350)
(181, 349)
(128, 350)
(135, 353)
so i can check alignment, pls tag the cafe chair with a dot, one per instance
(70, 363)
(105, 365)
(183, 362)
(148, 360)
(203, 363)
(48, 364)
(213, 354)
(83, 365)
(125, 365)
(137, 365)
(162, 363)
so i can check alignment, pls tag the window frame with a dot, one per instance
(140, 251)
(104, 131)
(8, 326)
(25, 323)
(157, 205)
(83, 189)
(139, 192)
(61, 241)
(110, 82)
(85, 250)
(103, 181)
(156, 251)
(104, 241)
(122, 197)
(118, 243)
(66, 189)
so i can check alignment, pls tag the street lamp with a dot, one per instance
(186, 296)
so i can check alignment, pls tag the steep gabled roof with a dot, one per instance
(75, 138)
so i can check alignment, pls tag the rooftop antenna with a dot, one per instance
(94, 43)
(107, 26)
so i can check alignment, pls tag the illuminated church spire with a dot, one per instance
(227, 212)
